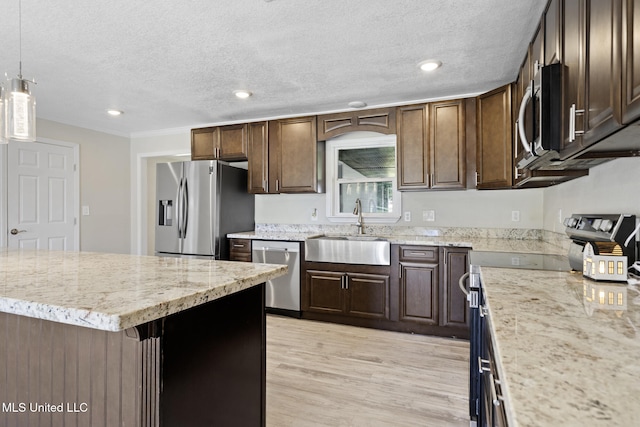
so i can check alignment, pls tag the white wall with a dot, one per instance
(104, 185)
(146, 150)
(487, 208)
(613, 187)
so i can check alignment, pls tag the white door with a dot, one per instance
(41, 196)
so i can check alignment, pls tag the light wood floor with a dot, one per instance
(321, 374)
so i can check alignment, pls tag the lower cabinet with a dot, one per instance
(348, 293)
(417, 293)
(429, 298)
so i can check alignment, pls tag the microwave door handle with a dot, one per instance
(523, 106)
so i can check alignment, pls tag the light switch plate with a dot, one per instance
(429, 215)
(85, 210)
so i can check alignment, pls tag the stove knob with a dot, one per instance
(606, 225)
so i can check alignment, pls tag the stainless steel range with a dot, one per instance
(606, 233)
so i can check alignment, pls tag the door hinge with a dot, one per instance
(75, 167)
(75, 221)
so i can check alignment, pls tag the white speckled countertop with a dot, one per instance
(568, 348)
(477, 243)
(113, 292)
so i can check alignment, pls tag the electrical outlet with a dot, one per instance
(407, 216)
(429, 215)
(515, 216)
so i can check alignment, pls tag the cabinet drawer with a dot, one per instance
(419, 253)
(240, 250)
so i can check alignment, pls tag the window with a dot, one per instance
(361, 166)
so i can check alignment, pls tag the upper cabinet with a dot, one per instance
(220, 143)
(258, 165)
(630, 61)
(431, 146)
(296, 159)
(590, 53)
(381, 120)
(494, 149)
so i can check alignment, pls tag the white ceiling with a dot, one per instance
(174, 64)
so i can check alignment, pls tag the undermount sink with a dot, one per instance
(349, 249)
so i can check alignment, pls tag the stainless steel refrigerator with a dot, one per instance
(197, 204)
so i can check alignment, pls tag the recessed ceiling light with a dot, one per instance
(114, 113)
(429, 65)
(242, 94)
(357, 104)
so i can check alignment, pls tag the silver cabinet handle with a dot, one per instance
(572, 122)
(15, 231)
(481, 365)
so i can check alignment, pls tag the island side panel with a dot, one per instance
(52, 374)
(214, 363)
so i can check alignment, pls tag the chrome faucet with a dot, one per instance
(358, 211)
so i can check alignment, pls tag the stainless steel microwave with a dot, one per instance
(539, 122)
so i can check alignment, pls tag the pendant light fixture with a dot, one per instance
(19, 104)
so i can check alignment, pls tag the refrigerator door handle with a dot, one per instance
(185, 207)
(179, 209)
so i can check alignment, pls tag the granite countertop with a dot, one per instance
(477, 243)
(114, 292)
(567, 348)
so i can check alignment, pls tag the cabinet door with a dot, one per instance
(552, 34)
(591, 82)
(233, 142)
(494, 139)
(413, 149)
(293, 156)
(258, 156)
(381, 120)
(602, 96)
(326, 293)
(367, 296)
(455, 308)
(419, 293)
(630, 44)
(573, 52)
(447, 144)
(203, 143)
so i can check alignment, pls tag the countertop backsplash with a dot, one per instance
(453, 232)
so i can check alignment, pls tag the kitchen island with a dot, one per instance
(567, 349)
(113, 340)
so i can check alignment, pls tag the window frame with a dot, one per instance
(364, 140)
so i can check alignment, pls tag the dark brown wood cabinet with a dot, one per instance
(591, 82)
(431, 146)
(630, 61)
(455, 309)
(346, 293)
(220, 143)
(295, 156)
(552, 32)
(494, 142)
(258, 154)
(418, 293)
(203, 142)
(240, 250)
(381, 120)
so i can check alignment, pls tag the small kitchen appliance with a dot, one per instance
(603, 245)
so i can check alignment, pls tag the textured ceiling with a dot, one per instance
(174, 64)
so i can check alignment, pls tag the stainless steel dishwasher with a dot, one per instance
(282, 294)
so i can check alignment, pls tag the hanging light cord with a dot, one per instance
(20, 38)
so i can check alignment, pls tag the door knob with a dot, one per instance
(15, 231)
